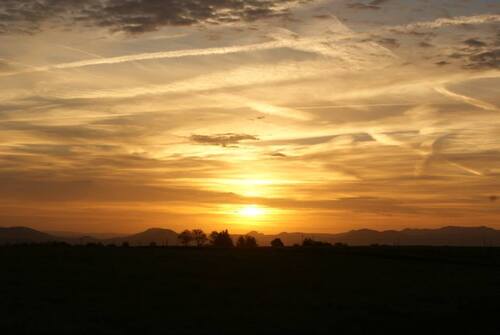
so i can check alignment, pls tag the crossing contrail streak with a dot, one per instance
(468, 100)
(157, 55)
(281, 39)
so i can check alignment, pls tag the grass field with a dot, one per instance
(53, 289)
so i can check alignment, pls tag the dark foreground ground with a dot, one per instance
(118, 290)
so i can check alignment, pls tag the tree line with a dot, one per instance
(220, 239)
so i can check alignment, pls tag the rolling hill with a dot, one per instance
(158, 236)
(446, 236)
(13, 235)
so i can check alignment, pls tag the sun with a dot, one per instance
(251, 211)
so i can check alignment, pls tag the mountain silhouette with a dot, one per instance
(446, 236)
(24, 235)
(158, 236)
(73, 234)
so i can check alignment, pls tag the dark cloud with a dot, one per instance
(474, 43)
(278, 154)
(389, 42)
(477, 54)
(222, 139)
(457, 55)
(301, 141)
(27, 16)
(415, 33)
(442, 63)
(132, 16)
(485, 60)
(424, 44)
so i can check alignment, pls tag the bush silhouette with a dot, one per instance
(246, 242)
(186, 237)
(277, 243)
(221, 239)
(309, 242)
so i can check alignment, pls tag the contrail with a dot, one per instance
(464, 168)
(468, 100)
(309, 44)
(157, 55)
(358, 105)
(281, 39)
(419, 168)
(267, 108)
(434, 153)
(11, 62)
(79, 51)
(242, 76)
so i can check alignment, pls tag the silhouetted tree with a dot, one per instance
(246, 242)
(277, 243)
(125, 244)
(186, 237)
(221, 239)
(309, 242)
(240, 242)
(199, 237)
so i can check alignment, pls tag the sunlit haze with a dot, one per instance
(265, 115)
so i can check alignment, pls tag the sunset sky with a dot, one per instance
(267, 115)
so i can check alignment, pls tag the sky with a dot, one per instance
(265, 115)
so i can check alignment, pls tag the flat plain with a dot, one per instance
(57, 288)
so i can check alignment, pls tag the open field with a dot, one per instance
(112, 290)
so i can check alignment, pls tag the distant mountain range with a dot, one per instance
(17, 235)
(446, 236)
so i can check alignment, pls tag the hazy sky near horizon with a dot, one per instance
(267, 115)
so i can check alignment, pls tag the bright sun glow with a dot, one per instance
(251, 211)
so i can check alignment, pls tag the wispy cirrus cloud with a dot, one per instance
(352, 53)
(446, 22)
